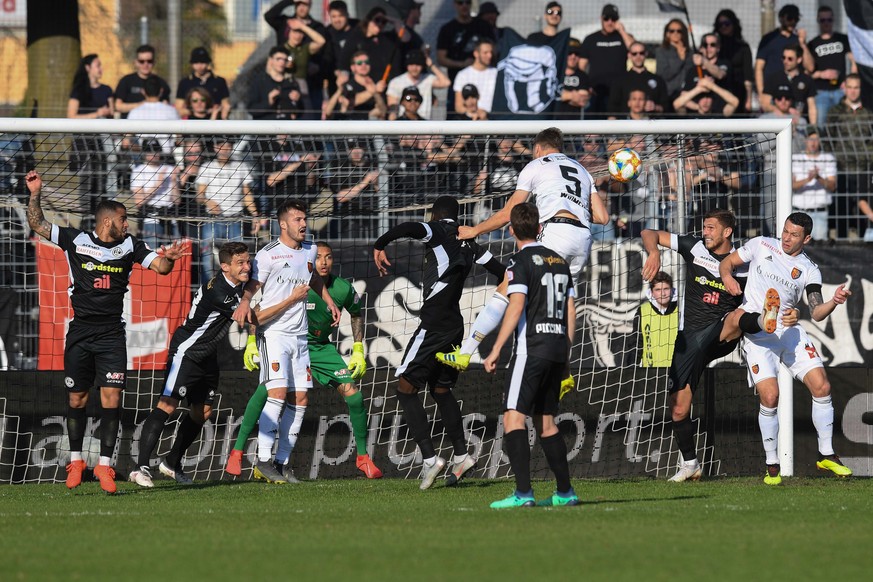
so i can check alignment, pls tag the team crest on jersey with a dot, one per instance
(274, 366)
(795, 273)
(755, 368)
(117, 252)
(537, 260)
(69, 382)
(183, 390)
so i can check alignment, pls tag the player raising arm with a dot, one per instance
(100, 263)
(779, 273)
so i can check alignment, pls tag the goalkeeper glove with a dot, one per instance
(567, 384)
(251, 357)
(357, 363)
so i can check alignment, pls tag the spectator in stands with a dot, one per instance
(604, 56)
(738, 54)
(414, 42)
(192, 157)
(153, 109)
(272, 94)
(337, 34)
(825, 61)
(363, 95)
(280, 15)
(594, 158)
(458, 38)
(410, 104)
(90, 99)
(382, 47)
(224, 187)
(354, 179)
(129, 93)
(198, 105)
(489, 13)
(710, 175)
(303, 43)
(480, 74)
(847, 134)
(282, 166)
(551, 21)
(706, 99)
(673, 57)
(769, 58)
(814, 179)
(470, 101)
(657, 323)
(156, 196)
(867, 211)
(795, 81)
(639, 78)
(636, 105)
(201, 76)
(575, 86)
(708, 62)
(422, 74)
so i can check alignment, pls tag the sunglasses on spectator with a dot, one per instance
(825, 20)
(412, 98)
(553, 12)
(712, 44)
(782, 98)
(638, 53)
(674, 30)
(146, 61)
(789, 58)
(379, 21)
(460, 2)
(609, 19)
(725, 23)
(362, 62)
(198, 100)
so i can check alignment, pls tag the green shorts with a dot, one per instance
(328, 367)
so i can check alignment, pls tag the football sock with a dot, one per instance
(108, 431)
(486, 322)
(519, 458)
(416, 421)
(555, 450)
(289, 430)
(749, 322)
(253, 410)
(77, 418)
(450, 411)
(769, 423)
(189, 430)
(151, 433)
(267, 424)
(104, 460)
(683, 430)
(459, 458)
(358, 417)
(823, 420)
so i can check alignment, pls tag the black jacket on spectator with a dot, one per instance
(651, 84)
(258, 102)
(382, 50)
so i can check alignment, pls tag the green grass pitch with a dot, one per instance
(721, 529)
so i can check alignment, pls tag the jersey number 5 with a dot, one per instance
(556, 294)
(574, 188)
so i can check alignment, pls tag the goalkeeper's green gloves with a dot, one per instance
(357, 363)
(251, 357)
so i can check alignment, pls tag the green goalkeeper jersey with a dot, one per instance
(320, 320)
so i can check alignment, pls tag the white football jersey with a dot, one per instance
(558, 183)
(279, 269)
(769, 268)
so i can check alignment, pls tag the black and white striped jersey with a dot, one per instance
(447, 263)
(209, 319)
(705, 300)
(543, 276)
(99, 272)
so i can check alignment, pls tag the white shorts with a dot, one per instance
(571, 242)
(793, 348)
(285, 362)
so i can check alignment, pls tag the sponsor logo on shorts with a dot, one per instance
(69, 382)
(810, 349)
(795, 273)
(343, 372)
(310, 305)
(212, 393)
(308, 374)
(274, 366)
(755, 368)
(183, 390)
(115, 377)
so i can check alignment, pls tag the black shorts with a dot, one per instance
(533, 385)
(420, 366)
(196, 381)
(693, 351)
(95, 352)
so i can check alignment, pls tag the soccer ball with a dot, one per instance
(625, 164)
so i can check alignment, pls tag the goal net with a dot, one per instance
(203, 181)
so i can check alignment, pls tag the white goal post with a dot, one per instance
(377, 130)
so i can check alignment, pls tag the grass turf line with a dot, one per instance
(724, 529)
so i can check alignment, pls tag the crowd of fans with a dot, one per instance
(380, 68)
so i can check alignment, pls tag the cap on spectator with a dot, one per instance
(470, 90)
(488, 8)
(411, 91)
(552, 5)
(790, 11)
(811, 130)
(609, 11)
(782, 92)
(200, 55)
(415, 58)
(574, 46)
(151, 146)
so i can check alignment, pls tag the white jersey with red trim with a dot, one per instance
(558, 183)
(279, 269)
(771, 267)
